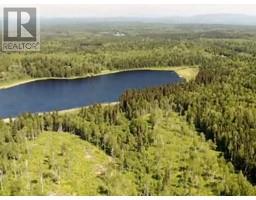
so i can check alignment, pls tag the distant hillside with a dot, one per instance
(211, 19)
(224, 19)
(232, 19)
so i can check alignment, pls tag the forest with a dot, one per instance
(136, 144)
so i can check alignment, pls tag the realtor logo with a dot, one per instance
(20, 29)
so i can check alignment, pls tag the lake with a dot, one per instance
(50, 95)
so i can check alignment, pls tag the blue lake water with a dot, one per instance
(50, 95)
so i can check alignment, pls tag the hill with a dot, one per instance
(57, 164)
(170, 159)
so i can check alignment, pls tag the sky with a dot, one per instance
(141, 10)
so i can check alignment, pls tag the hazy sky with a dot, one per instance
(140, 10)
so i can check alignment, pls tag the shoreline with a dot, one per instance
(185, 72)
(180, 70)
(69, 110)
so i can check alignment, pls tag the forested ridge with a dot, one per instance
(89, 49)
(220, 103)
(212, 117)
(156, 153)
